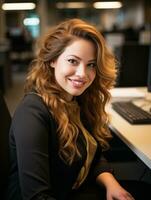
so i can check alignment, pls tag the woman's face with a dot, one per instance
(75, 68)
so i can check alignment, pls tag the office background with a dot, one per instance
(19, 30)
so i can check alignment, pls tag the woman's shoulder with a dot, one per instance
(32, 103)
(33, 99)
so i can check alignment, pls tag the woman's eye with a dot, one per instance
(92, 65)
(72, 61)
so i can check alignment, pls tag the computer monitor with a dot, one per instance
(133, 65)
(149, 72)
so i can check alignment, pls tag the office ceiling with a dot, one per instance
(125, 2)
(54, 1)
(18, 1)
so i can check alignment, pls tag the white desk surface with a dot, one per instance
(137, 137)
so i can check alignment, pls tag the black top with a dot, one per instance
(37, 172)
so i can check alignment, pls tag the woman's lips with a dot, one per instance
(77, 83)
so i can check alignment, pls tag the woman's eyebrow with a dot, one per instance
(92, 60)
(75, 56)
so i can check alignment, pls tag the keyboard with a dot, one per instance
(132, 113)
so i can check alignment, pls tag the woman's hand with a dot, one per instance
(114, 191)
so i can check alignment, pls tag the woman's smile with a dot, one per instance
(75, 68)
(77, 83)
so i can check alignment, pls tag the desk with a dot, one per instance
(136, 137)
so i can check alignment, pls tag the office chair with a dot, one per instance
(5, 121)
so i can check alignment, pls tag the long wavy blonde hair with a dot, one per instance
(90, 104)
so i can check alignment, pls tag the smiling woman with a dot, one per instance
(60, 129)
(75, 68)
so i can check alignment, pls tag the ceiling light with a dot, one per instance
(18, 6)
(33, 21)
(107, 5)
(71, 5)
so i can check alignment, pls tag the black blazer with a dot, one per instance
(36, 170)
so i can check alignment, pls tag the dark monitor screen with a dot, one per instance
(149, 72)
(133, 65)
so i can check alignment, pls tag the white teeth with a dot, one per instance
(77, 82)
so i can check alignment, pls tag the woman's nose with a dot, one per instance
(81, 70)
